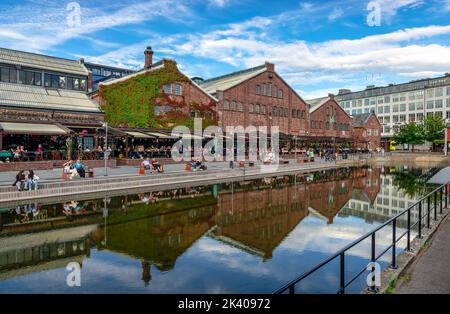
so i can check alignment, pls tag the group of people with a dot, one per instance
(197, 164)
(26, 182)
(74, 169)
(152, 165)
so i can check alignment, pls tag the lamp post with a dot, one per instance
(295, 148)
(105, 154)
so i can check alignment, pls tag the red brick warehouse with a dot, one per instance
(259, 97)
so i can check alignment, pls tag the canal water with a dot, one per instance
(241, 237)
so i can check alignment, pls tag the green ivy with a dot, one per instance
(130, 103)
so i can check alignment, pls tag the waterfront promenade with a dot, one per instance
(430, 272)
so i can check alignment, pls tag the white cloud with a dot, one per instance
(335, 14)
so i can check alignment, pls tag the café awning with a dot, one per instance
(162, 135)
(136, 134)
(33, 128)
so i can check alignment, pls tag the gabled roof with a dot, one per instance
(360, 120)
(155, 66)
(227, 81)
(37, 97)
(43, 62)
(316, 103)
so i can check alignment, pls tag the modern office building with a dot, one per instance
(102, 73)
(397, 104)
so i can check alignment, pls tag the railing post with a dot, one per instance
(394, 243)
(342, 276)
(373, 288)
(446, 195)
(440, 201)
(435, 205)
(428, 215)
(420, 220)
(292, 289)
(408, 231)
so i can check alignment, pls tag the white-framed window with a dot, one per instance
(250, 108)
(178, 89)
(240, 107)
(167, 88)
(233, 105)
(226, 105)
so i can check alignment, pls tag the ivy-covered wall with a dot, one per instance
(130, 102)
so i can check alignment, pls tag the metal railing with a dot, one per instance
(438, 194)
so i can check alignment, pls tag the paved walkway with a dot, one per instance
(430, 273)
(7, 177)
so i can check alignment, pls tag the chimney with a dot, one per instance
(81, 60)
(270, 66)
(148, 53)
(331, 96)
(90, 83)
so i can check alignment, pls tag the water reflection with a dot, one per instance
(272, 223)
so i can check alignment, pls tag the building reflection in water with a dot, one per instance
(158, 227)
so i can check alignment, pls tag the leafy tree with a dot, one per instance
(411, 134)
(433, 129)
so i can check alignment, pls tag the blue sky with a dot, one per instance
(317, 46)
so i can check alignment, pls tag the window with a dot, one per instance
(412, 117)
(274, 91)
(294, 113)
(258, 90)
(375, 132)
(387, 99)
(439, 103)
(327, 125)
(47, 80)
(369, 132)
(366, 102)
(402, 107)
(178, 89)
(158, 110)
(193, 114)
(438, 114)
(8, 75)
(32, 78)
(448, 91)
(82, 84)
(167, 88)
(387, 119)
(286, 112)
(62, 82)
(430, 104)
(269, 89)
(439, 92)
(280, 93)
(233, 106)
(21, 77)
(76, 82)
(419, 105)
(395, 119)
(395, 108)
(430, 93)
(448, 102)
(250, 108)
(387, 109)
(448, 114)
(240, 107)
(403, 118)
(263, 89)
(263, 109)
(226, 105)
(412, 106)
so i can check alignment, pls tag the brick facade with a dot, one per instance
(289, 111)
(368, 136)
(330, 121)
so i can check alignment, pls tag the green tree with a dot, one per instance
(433, 129)
(411, 134)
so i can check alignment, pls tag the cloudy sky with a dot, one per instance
(317, 46)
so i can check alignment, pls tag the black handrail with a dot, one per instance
(290, 286)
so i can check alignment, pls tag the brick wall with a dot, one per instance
(321, 116)
(245, 93)
(365, 141)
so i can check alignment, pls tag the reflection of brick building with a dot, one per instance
(328, 198)
(328, 121)
(366, 131)
(258, 97)
(157, 240)
(257, 221)
(368, 181)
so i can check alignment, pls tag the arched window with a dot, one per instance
(258, 108)
(240, 107)
(250, 108)
(226, 105)
(233, 105)
(258, 90)
(274, 91)
(178, 89)
(327, 125)
(263, 89)
(263, 109)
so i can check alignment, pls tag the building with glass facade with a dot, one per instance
(396, 105)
